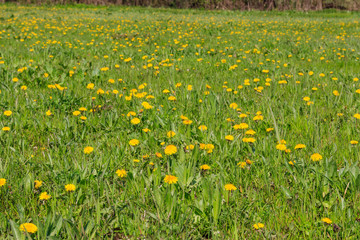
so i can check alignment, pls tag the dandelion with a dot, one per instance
(76, 113)
(202, 128)
(187, 122)
(242, 164)
(327, 220)
(170, 179)
(88, 150)
(121, 172)
(353, 142)
(229, 137)
(70, 187)
(316, 157)
(258, 226)
(8, 113)
(134, 142)
(135, 121)
(44, 196)
(2, 182)
(230, 187)
(241, 126)
(170, 150)
(281, 147)
(6, 129)
(38, 184)
(300, 146)
(28, 227)
(205, 167)
(170, 134)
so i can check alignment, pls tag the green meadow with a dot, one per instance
(142, 123)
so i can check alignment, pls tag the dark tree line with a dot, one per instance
(217, 4)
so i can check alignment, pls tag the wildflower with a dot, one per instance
(230, 187)
(170, 150)
(8, 113)
(316, 157)
(357, 116)
(83, 118)
(187, 122)
(170, 179)
(327, 220)
(258, 226)
(70, 187)
(15, 79)
(44, 196)
(242, 164)
(249, 140)
(134, 142)
(6, 129)
(2, 182)
(281, 147)
(300, 146)
(170, 134)
(23, 88)
(336, 93)
(159, 155)
(121, 173)
(269, 129)
(250, 132)
(38, 184)
(135, 121)
(205, 167)
(241, 126)
(202, 128)
(28, 227)
(88, 150)
(233, 105)
(353, 142)
(48, 113)
(146, 105)
(172, 98)
(76, 113)
(229, 137)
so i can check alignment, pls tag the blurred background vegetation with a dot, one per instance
(303, 5)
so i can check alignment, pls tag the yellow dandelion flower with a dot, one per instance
(170, 179)
(230, 187)
(121, 173)
(170, 150)
(28, 227)
(70, 187)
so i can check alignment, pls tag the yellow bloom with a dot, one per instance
(258, 226)
(229, 137)
(44, 196)
(316, 157)
(23, 88)
(48, 113)
(336, 93)
(241, 126)
(28, 227)
(230, 187)
(202, 128)
(269, 129)
(170, 134)
(354, 142)
(2, 182)
(205, 167)
(38, 184)
(242, 164)
(8, 113)
(88, 150)
(300, 146)
(146, 105)
(134, 142)
(6, 129)
(187, 122)
(76, 113)
(121, 173)
(70, 187)
(15, 79)
(249, 140)
(135, 121)
(281, 147)
(170, 179)
(327, 220)
(170, 150)
(357, 116)
(233, 105)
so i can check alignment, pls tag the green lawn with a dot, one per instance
(178, 124)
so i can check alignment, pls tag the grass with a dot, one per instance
(243, 67)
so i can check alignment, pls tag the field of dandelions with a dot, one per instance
(140, 123)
